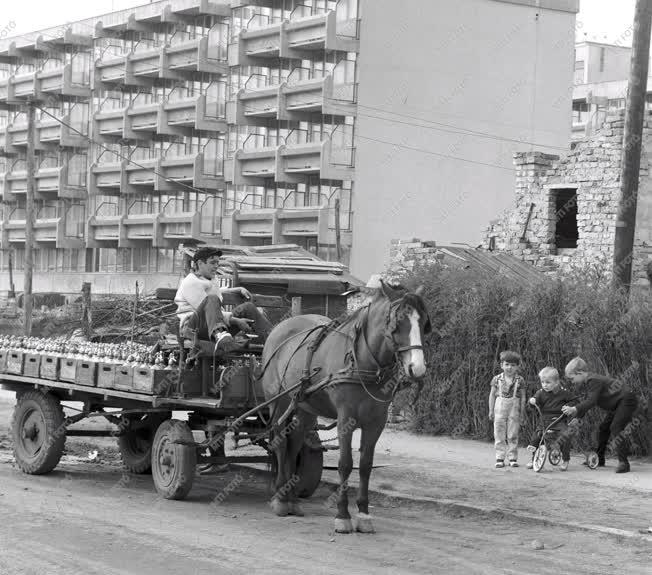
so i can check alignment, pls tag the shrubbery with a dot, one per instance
(477, 316)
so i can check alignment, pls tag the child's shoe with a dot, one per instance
(500, 463)
(563, 466)
(513, 463)
(529, 464)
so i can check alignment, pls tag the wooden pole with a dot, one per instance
(133, 314)
(86, 310)
(12, 288)
(632, 140)
(29, 218)
(338, 243)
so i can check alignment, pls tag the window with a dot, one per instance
(566, 232)
(580, 112)
(579, 72)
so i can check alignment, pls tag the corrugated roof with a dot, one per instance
(491, 262)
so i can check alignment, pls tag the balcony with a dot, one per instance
(206, 54)
(147, 171)
(182, 115)
(50, 230)
(140, 119)
(66, 131)
(177, 226)
(103, 228)
(108, 175)
(298, 37)
(109, 121)
(255, 163)
(334, 94)
(133, 22)
(138, 228)
(255, 104)
(65, 81)
(53, 180)
(279, 226)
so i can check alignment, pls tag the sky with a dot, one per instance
(602, 20)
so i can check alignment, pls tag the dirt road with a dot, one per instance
(88, 517)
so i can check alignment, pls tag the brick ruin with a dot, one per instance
(565, 214)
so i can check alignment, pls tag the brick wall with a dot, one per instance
(592, 168)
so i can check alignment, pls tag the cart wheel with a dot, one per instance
(173, 465)
(554, 456)
(310, 463)
(38, 431)
(539, 458)
(592, 459)
(136, 443)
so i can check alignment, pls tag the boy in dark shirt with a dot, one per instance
(615, 397)
(550, 399)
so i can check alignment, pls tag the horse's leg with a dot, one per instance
(296, 437)
(370, 434)
(279, 502)
(345, 429)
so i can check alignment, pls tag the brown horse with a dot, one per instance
(349, 369)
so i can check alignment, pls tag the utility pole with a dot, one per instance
(632, 140)
(338, 240)
(29, 218)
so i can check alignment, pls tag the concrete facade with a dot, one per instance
(444, 102)
(565, 211)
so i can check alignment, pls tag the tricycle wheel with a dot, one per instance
(539, 458)
(592, 460)
(39, 432)
(173, 464)
(310, 463)
(135, 443)
(554, 456)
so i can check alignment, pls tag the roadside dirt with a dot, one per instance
(89, 517)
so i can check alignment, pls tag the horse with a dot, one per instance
(349, 370)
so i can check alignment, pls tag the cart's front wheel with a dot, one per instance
(310, 464)
(135, 443)
(39, 432)
(173, 464)
(539, 458)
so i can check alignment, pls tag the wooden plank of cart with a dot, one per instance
(220, 395)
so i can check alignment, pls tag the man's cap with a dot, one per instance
(204, 253)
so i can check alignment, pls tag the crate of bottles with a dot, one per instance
(49, 367)
(106, 375)
(68, 369)
(124, 377)
(86, 372)
(15, 360)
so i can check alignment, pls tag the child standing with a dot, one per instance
(550, 399)
(506, 408)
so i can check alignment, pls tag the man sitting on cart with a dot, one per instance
(199, 308)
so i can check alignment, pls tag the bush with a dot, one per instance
(476, 316)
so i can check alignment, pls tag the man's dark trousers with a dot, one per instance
(208, 318)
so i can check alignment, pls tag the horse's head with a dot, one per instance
(407, 322)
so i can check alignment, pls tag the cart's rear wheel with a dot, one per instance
(310, 464)
(554, 456)
(135, 443)
(539, 458)
(173, 465)
(39, 432)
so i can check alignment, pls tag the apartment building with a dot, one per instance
(600, 84)
(255, 122)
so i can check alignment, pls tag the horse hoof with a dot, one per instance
(281, 508)
(295, 509)
(343, 525)
(363, 523)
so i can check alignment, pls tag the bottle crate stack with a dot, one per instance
(129, 367)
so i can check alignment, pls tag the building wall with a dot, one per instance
(615, 60)
(434, 71)
(593, 169)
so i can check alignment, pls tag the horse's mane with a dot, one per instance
(409, 298)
